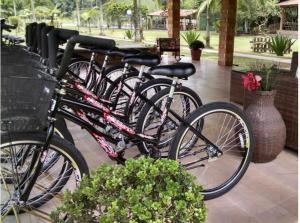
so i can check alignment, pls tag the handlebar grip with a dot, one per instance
(55, 36)
(39, 28)
(30, 35)
(84, 40)
(44, 41)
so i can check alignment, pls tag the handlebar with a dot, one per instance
(84, 40)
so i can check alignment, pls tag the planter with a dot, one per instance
(196, 54)
(268, 125)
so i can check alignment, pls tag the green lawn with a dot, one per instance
(242, 43)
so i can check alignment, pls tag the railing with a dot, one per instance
(292, 26)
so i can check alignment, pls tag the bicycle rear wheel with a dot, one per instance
(220, 158)
(17, 152)
(184, 102)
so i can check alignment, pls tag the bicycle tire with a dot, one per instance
(157, 84)
(204, 110)
(62, 147)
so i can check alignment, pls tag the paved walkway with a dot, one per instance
(255, 56)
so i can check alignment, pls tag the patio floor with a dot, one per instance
(266, 194)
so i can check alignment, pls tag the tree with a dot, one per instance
(136, 21)
(89, 14)
(210, 6)
(256, 12)
(101, 16)
(32, 10)
(78, 13)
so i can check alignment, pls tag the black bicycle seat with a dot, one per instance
(123, 52)
(94, 49)
(147, 59)
(180, 70)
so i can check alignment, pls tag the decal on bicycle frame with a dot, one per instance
(103, 143)
(85, 91)
(164, 116)
(115, 122)
(82, 115)
(95, 103)
(132, 98)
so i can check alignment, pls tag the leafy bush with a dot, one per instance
(143, 191)
(280, 44)
(190, 36)
(14, 20)
(197, 45)
(129, 34)
(217, 25)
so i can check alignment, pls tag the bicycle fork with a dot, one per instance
(40, 154)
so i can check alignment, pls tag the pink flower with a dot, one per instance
(251, 82)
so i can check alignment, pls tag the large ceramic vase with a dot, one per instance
(268, 125)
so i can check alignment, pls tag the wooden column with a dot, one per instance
(174, 19)
(227, 32)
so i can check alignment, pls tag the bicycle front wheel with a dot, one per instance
(223, 150)
(17, 155)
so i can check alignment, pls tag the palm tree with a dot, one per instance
(78, 13)
(136, 21)
(209, 6)
(32, 10)
(15, 7)
(89, 14)
(101, 16)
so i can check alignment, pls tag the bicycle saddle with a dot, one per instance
(123, 52)
(147, 59)
(180, 70)
(94, 49)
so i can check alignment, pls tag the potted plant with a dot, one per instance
(190, 38)
(281, 44)
(196, 49)
(268, 126)
(144, 190)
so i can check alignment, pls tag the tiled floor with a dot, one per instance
(266, 194)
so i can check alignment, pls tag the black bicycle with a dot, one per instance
(211, 134)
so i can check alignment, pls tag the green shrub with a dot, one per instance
(142, 191)
(280, 44)
(129, 34)
(197, 45)
(190, 36)
(217, 25)
(14, 20)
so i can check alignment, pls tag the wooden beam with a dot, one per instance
(227, 32)
(174, 19)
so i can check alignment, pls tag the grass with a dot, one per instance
(242, 43)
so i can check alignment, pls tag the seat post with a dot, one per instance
(125, 68)
(104, 63)
(173, 86)
(91, 61)
(141, 72)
